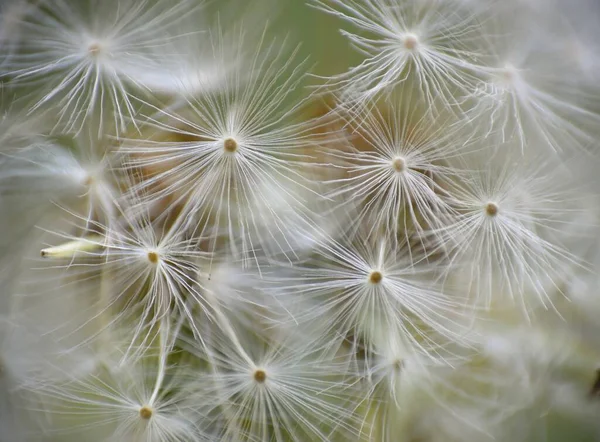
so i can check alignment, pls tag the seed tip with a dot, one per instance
(410, 42)
(260, 375)
(375, 277)
(491, 209)
(153, 257)
(230, 145)
(146, 412)
(399, 164)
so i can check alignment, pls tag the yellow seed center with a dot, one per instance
(375, 277)
(153, 257)
(146, 412)
(491, 209)
(260, 376)
(230, 145)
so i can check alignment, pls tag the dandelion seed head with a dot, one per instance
(375, 232)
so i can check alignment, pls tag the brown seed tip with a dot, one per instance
(398, 364)
(230, 145)
(146, 412)
(153, 257)
(260, 376)
(410, 42)
(491, 209)
(399, 164)
(375, 277)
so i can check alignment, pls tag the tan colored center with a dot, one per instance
(399, 164)
(230, 145)
(94, 49)
(375, 277)
(146, 412)
(491, 209)
(410, 42)
(509, 74)
(260, 376)
(153, 257)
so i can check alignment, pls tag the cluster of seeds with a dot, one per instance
(210, 233)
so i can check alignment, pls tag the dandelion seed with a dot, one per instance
(507, 233)
(279, 389)
(240, 176)
(394, 370)
(363, 286)
(144, 271)
(527, 94)
(395, 168)
(83, 57)
(136, 400)
(399, 381)
(431, 45)
(71, 248)
(72, 171)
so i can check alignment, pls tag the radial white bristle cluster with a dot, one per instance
(429, 46)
